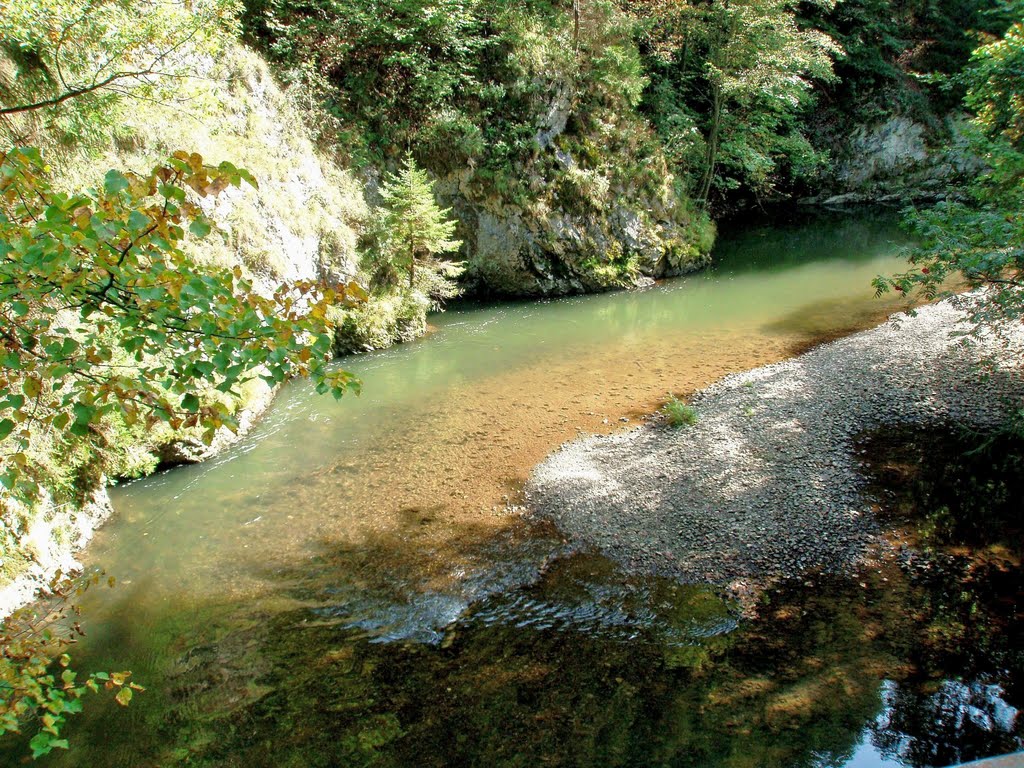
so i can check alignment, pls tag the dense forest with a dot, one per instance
(202, 201)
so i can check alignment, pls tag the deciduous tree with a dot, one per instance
(980, 237)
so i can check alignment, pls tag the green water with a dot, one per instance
(354, 583)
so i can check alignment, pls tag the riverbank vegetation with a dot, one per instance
(980, 236)
(324, 174)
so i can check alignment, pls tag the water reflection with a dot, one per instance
(948, 726)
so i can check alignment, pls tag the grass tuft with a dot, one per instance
(679, 414)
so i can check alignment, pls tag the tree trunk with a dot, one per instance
(576, 25)
(711, 156)
(719, 55)
(412, 261)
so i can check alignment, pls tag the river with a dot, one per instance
(355, 582)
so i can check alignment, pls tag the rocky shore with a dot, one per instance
(768, 483)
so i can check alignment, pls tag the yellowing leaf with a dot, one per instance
(31, 387)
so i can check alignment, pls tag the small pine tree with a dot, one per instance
(415, 228)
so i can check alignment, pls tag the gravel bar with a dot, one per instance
(767, 483)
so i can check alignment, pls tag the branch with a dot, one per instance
(73, 93)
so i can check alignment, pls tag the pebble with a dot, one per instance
(778, 494)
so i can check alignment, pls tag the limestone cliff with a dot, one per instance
(896, 160)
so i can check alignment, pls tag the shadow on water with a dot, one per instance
(916, 661)
(561, 659)
(781, 245)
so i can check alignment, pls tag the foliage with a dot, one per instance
(730, 83)
(390, 316)
(389, 65)
(35, 675)
(980, 239)
(679, 414)
(74, 59)
(89, 279)
(901, 58)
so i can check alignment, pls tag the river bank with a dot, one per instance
(438, 447)
(768, 483)
(57, 535)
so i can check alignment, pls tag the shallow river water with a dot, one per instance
(355, 582)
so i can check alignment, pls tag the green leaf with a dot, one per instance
(13, 401)
(41, 744)
(190, 403)
(200, 227)
(6, 427)
(138, 221)
(31, 387)
(115, 182)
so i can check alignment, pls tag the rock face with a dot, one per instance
(53, 534)
(767, 482)
(303, 220)
(514, 253)
(897, 160)
(589, 206)
(893, 149)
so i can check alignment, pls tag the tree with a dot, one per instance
(414, 227)
(74, 59)
(384, 69)
(759, 74)
(979, 239)
(740, 72)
